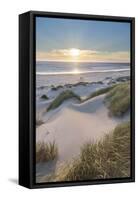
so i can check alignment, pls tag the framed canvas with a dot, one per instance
(76, 99)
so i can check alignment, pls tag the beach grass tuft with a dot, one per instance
(118, 99)
(54, 88)
(65, 95)
(107, 158)
(46, 151)
(99, 92)
(39, 122)
(44, 96)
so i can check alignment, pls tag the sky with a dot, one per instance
(75, 40)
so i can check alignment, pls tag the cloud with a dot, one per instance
(84, 55)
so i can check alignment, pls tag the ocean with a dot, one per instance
(55, 73)
(49, 68)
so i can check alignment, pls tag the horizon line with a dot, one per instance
(78, 61)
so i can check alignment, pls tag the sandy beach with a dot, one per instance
(73, 123)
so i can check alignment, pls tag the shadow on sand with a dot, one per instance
(45, 170)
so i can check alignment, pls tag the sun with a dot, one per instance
(74, 52)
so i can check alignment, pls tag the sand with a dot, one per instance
(71, 125)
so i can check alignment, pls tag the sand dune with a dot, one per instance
(71, 126)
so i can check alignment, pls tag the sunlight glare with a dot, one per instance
(74, 52)
(76, 71)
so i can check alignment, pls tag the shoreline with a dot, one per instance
(83, 72)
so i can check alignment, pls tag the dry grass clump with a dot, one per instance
(46, 151)
(99, 92)
(39, 122)
(44, 96)
(108, 158)
(118, 99)
(68, 94)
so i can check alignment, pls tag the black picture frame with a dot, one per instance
(27, 98)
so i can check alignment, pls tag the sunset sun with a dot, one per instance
(74, 52)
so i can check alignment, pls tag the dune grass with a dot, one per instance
(46, 151)
(68, 94)
(108, 158)
(118, 99)
(55, 88)
(38, 121)
(44, 96)
(99, 92)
